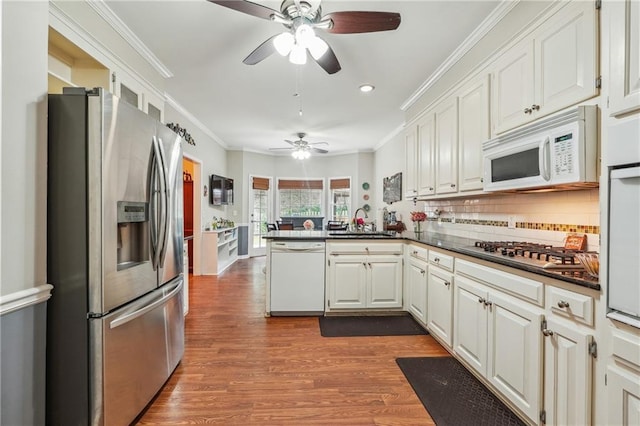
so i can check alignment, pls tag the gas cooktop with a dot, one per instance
(554, 260)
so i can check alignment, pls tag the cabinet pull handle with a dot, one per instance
(369, 263)
(437, 259)
(422, 271)
(528, 110)
(447, 283)
(547, 332)
(364, 264)
(563, 304)
(535, 107)
(453, 185)
(481, 300)
(415, 252)
(431, 188)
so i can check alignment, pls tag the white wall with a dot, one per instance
(24, 145)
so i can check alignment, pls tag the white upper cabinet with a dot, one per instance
(473, 130)
(411, 163)
(427, 155)
(553, 68)
(447, 146)
(624, 56)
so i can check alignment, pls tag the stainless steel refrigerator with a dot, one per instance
(115, 324)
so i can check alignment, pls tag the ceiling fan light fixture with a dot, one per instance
(298, 55)
(301, 154)
(317, 47)
(284, 43)
(305, 35)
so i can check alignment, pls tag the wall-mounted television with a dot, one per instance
(221, 190)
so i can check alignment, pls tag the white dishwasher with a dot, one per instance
(297, 278)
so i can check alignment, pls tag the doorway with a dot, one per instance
(260, 213)
(192, 217)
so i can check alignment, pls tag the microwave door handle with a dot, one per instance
(544, 159)
(164, 217)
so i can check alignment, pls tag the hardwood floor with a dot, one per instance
(240, 367)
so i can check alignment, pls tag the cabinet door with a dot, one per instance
(347, 282)
(624, 56)
(426, 155)
(515, 352)
(411, 162)
(470, 323)
(566, 66)
(512, 87)
(440, 304)
(473, 103)
(447, 147)
(385, 282)
(624, 397)
(417, 289)
(567, 375)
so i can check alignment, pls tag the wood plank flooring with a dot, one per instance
(241, 368)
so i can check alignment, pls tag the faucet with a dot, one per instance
(355, 217)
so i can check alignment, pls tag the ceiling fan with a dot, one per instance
(300, 18)
(302, 149)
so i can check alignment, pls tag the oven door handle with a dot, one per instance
(544, 159)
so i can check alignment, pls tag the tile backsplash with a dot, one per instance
(538, 217)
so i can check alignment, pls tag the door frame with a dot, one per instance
(270, 213)
(197, 212)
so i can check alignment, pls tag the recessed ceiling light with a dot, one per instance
(366, 88)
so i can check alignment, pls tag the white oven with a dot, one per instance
(559, 151)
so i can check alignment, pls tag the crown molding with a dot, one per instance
(192, 118)
(490, 21)
(395, 132)
(109, 16)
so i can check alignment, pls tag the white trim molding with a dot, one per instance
(129, 36)
(24, 298)
(192, 118)
(491, 21)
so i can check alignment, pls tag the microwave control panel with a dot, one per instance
(564, 155)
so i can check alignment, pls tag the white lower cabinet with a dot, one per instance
(623, 389)
(567, 374)
(440, 304)
(500, 337)
(364, 281)
(416, 282)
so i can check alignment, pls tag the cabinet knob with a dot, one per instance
(437, 260)
(562, 304)
(547, 332)
(535, 107)
(481, 300)
(447, 283)
(481, 179)
(431, 188)
(422, 271)
(528, 110)
(453, 185)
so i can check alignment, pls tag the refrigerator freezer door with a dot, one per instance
(142, 344)
(171, 258)
(121, 136)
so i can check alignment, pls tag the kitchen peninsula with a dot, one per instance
(463, 294)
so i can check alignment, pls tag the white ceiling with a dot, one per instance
(254, 107)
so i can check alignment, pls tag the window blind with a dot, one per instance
(340, 183)
(300, 184)
(260, 183)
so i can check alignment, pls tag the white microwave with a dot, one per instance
(555, 152)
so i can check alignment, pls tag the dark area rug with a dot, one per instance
(452, 395)
(347, 326)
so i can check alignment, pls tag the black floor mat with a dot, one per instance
(452, 395)
(346, 326)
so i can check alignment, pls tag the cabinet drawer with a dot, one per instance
(364, 248)
(569, 304)
(417, 252)
(524, 288)
(442, 260)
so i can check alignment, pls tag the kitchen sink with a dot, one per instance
(363, 234)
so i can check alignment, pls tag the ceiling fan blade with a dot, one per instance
(261, 52)
(319, 143)
(290, 142)
(362, 22)
(328, 61)
(280, 149)
(320, 150)
(249, 8)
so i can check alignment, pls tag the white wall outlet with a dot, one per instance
(511, 222)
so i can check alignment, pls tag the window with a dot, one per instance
(300, 197)
(340, 199)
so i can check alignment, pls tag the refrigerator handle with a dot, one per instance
(156, 188)
(122, 320)
(164, 213)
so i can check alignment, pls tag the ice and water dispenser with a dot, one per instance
(133, 233)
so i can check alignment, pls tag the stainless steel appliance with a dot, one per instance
(297, 277)
(115, 328)
(559, 151)
(623, 284)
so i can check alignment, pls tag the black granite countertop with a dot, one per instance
(447, 242)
